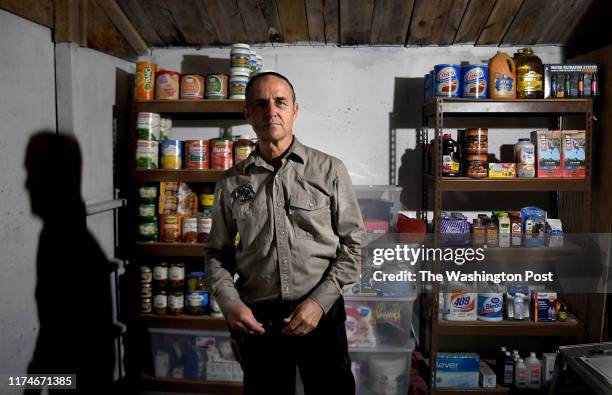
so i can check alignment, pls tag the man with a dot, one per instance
(299, 228)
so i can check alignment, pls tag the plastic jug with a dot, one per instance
(490, 302)
(520, 374)
(502, 77)
(460, 300)
(534, 371)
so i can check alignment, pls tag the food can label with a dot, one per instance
(198, 299)
(160, 273)
(176, 273)
(490, 306)
(446, 80)
(147, 153)
(148, 231)
(196, 155)
(160, 301)
(146, 210)
(242, 153)
(176, 302)
(204, 225)
(240, 60)
(462, 302)
(474, 81)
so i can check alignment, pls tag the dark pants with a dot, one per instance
(269, 361)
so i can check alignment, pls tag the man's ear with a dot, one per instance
(295, 110)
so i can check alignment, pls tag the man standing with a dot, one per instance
(299, 242)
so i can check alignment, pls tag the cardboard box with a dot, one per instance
(457, 370)
(574, 153)
(556, 76)
(502, 170)
(548, 366)
(548, 145)
(544, 306)
(487, 376)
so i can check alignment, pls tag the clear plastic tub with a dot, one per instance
(379, 204)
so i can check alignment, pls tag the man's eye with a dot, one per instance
(281, 103)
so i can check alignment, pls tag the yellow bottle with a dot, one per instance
(529, 75)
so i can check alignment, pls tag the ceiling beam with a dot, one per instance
(123, 24)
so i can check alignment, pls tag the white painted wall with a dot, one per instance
(27, 105)
(346, 97)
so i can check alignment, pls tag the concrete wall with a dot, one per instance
(86, 82)
(27, 105)
(353, 100)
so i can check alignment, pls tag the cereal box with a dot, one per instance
(548, 153)
(574, 153)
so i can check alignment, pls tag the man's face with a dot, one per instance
(271, 110)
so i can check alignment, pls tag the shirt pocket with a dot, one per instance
(310, 214)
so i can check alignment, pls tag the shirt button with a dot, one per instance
(282, 232)
(310, 204)
(279, 204)
(284, 261)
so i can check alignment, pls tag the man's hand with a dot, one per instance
(304, 318)
(241, 318)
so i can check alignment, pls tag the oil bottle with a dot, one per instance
(529, 75)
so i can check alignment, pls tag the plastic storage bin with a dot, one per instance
(379, 205)
(194, 355)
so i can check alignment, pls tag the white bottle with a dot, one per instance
(520, 374)
(534, 371)
(490, 302)
(460, 301)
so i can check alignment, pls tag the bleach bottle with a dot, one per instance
(460, 301)
(490, 306)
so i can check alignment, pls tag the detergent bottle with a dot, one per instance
(460, 300)
(502, 77)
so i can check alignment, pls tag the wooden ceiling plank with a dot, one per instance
(293, 18)
(254, 21)
(141, 22)
(102, 35)
(162, 21)
(527, 25)
(39, 11)
(193, 22)
(123, 24)
(316, 20)
(499, 21)
(331, 13)
(435, 22)
(563, 22)
(225, 17)
(390, 22)
(66, 21)
(473, 21)
(355, 21)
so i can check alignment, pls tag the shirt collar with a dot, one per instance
(296, 153)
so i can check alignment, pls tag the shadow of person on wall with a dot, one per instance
(73, 289)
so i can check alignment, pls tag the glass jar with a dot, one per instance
(146, 291)
(160, 275)
(146, 275)
(478, 232)
(176, 275)
(196, 301)
(146, 306)
(190, 229)
(204, 224)
(176, 301)
(476, 166)
(160, 302)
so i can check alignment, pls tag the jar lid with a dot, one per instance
(524, 139)
(241, 46)
(240, 73)
(170, 72)
(197, 274)
(145, 269)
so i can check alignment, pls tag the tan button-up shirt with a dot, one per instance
(300, 232)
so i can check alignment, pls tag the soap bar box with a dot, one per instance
(548, 145)
(457, 370)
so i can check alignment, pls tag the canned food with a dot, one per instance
(145, 81)
(190, 229)
(221, 154)
(147, 231)
(474, 81)
(476, 141)
(167, 85)
(207, 199)
(147, 154)
(204, 227)
(171, 154)
(476, 165)
(148, 126)
(147, 212)
(242, 149)
(196, 154)
(446, 80)
(147, 193)
(216, 86)
(171, 228)
(192, 86)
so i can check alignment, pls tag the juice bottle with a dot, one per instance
(502, 77)
(529, 75)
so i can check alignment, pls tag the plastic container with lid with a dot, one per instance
(216, 86)
(476, 165)
(529, 75)
(240, 56)
(476, 141)
(196, 300)
(237, 85)
(242, 149)
(144, 88)
(192, 86)
(167, 85)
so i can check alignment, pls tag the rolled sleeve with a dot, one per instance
(349, 226)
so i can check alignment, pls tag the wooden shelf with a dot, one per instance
(513, 184)
(467, 391)
(502, 107)
(506, 328)
(202, 322)
(182, 385)
(170, 249)
(186, 175)
(229, 108)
